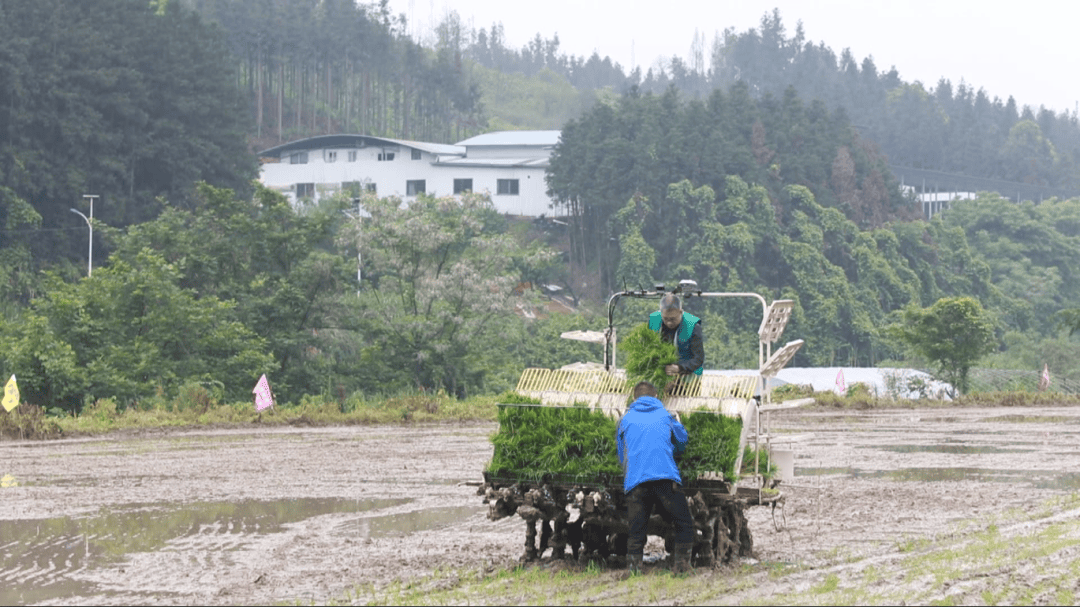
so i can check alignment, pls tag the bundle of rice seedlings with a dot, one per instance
(646, 357)
(713, 446)
(569, 442)
(766, 467)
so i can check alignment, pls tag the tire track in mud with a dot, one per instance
(155, 520)
(190, 558)
(107, 547)
(37, 568)
(44, 566)
(1016, 561)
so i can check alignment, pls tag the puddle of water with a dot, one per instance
(411, 522)
(943, 474)
(1032, 419)
(960, 449)
(423, 482)
(903, 429)
(1068, 481)
(38, 556)
(813, 471)
(949, 474)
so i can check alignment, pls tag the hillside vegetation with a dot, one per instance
(203, 280)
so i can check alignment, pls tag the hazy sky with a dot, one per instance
(1029, 49)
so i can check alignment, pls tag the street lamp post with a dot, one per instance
(90, 254)
(359, 255)
(90, 224)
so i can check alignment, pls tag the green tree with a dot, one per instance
(1028, 156)
(637, 261)
(129, 332)
(953, 334)
(280, 266)
(115, 98)
(443, 270)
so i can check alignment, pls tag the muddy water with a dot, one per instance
(43, 559)
(254, 516)
(391, 525)
(867, 480)
(227, 516)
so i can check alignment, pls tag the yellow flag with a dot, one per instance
(11, 394)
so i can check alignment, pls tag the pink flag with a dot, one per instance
(841, 385)
(1044, 381)
(263, 397)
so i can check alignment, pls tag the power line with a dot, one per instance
(41, 230)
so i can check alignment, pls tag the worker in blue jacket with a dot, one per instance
(648, 438)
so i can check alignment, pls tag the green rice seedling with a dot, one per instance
(646, 357)
(575, 442)
(713, 446)
(513, 398)
(565, 441)
(766, 467)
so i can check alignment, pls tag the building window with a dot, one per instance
(384, 156)
(414, 187)
(305, 190)
(462, 185)
(331, 156)
(351, 189)
(416, 154)
(298, 158)
(507, 186)
(352, 155)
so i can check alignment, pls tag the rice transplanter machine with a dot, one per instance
(589, 514)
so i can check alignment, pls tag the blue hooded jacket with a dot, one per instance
(648, 438)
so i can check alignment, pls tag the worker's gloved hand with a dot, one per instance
(671, 369)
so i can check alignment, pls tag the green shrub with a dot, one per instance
(791, 392)
(28, 422)
(1015, 399)
(193, 396)
(835, 401)
(858, 390)
(104, 410)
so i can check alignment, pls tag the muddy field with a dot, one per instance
(257, 516)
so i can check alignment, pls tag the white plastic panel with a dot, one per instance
(781, 358)
(776, 318)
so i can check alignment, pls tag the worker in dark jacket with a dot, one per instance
(648, 438)
(684, 330)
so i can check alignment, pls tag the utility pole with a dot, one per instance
(359, 219)
(90, 224)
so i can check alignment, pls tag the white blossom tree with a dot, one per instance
(440, 274)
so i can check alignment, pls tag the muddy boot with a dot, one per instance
(681, 560)
(633, 566)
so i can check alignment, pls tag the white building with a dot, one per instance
(508, 165)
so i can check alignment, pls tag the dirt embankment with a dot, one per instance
(253, 517)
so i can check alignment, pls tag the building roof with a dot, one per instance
(514, 138)
(535, 163)
(357, 141)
